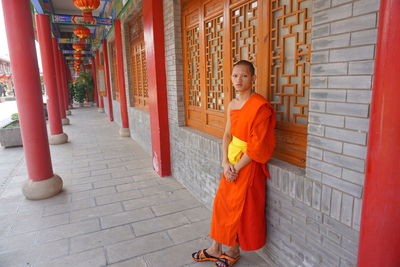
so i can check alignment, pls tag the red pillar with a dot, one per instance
(94, 76)
(101, 99)
(64, 119)
(155, 59)
(44, 36)
(66, 88)
(380, 232)
(42, 182)
(107, 76)
(124, 131)
(63, 81)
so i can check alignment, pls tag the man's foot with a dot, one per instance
(227, 261)
(206, 255)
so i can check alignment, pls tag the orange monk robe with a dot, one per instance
(239, 207)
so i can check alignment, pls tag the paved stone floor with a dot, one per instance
(114, 210)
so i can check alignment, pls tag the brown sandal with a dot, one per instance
(202, 255)
(227, 261)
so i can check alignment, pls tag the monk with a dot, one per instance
(238, 218)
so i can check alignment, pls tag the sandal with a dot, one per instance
(227, 261)
(202, 255)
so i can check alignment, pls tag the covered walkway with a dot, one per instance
(113, 210)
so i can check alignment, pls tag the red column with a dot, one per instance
(101, 99)
(45, 43)
(94, 76)
(66, 88)
(380, 231)
(155, 59)
(42, 182)
(62, 80)
(107, 76)
(64, 119)
(124, 131)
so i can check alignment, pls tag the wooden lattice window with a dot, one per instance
(114, 77)
(273, 34)
(139, 94)
(290, 53)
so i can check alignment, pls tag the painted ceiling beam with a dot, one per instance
(77, 19)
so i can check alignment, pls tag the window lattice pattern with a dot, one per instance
(244, 32)
(139, 94)
(193, 66)
(139, 78)
(115, 90)
(290, 59)
(214, 33)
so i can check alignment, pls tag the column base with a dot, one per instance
(42, 189)
(100, 110)
(65, 121)
(58, 139)
(124, 132)
(68, 112)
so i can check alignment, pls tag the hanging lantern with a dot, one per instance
(87, 6)
(78, 47)
(78, 56)
(82, 32)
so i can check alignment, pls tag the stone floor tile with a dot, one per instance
(31, 223)
(75, 205)
(137, 247)
(161, 198)
(90, 179)
(176, 206)
(91, 258)
(159, 223)
(137, 185)
(190, 232)
(95, 212)
(68, 230)
(125, 217)
(93, 193)
(148, 191)
(16, 242)
(120, 196)
(101, 238)
(111, 182)
(136, 262)
(197, 214)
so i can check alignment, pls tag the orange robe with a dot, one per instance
(239, 207)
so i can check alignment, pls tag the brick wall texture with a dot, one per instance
(313, 214)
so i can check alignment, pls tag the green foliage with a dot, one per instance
(87, 79)
(79, 92)
(14, 116)
(12, 125)
(71, 87)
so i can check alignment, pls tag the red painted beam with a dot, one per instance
(120, 73)
(108, 86)
(153, 23)
(380, 232)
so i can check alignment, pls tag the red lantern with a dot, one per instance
(82, 32)
(78, 56)
(87, 6)
(78, 47)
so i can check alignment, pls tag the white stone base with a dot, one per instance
(58, 139)
(100, 110)
(68, 112)
(124, 132)
(65, 121)
(42, 189)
